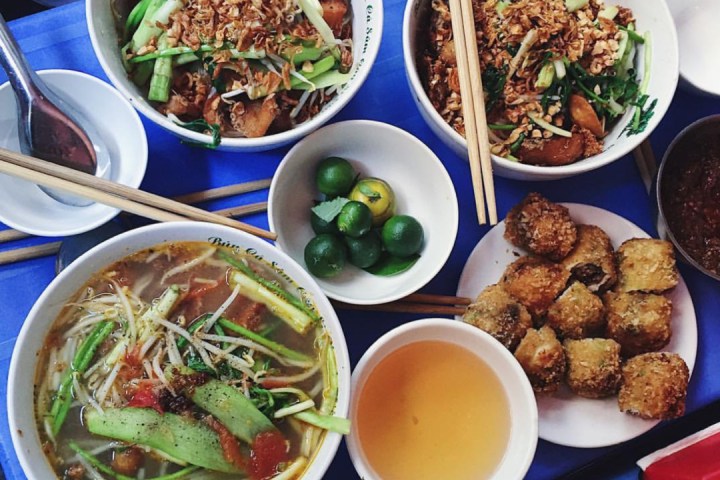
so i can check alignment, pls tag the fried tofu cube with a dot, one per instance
(577, 313)
(646, 265)
(541, 226)
(592, 260)
(654, 386)
(542, 358)
(535, 282)
(499, 314)
(593, 366)
(639, 322)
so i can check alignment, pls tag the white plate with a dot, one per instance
(23, 205)
(565, 418)
(422, 189)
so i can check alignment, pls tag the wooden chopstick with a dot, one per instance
(436, 299)
(473, 104)
(11, 235)
(416, 303)
(241, 210)
(222, 192)
(646, 163)
(109, 193)
(478, 97)
(27, 253)
(47, 249)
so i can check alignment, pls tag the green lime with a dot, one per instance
(335, 176)
(325, 255)
(321, 226)
(364, 251)
(355, 219)
(402, 235)
(377, 195)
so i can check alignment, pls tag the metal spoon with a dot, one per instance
(48, 127)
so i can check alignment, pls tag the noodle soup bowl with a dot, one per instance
(652, 17)
(21, 383)
(104, 15)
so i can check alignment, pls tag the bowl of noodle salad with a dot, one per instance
(570, 85)
(236, 75)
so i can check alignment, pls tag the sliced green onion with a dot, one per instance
(609, 12)
(501, 126)
(540, 122)
(573, 5)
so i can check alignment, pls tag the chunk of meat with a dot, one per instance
(334, 13)
(212, 112)
(75, 472)
(128, 461)
(552, 152)
(189, 94)
(584, 115)
(253, 118)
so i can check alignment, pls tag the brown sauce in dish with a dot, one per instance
(691, 195)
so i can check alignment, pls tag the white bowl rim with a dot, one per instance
(454, 215)
(266, 141)
(140, 169)
(560, 171)
(22, 356)
(396, 336)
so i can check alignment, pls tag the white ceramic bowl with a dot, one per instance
(37, 324)
(651, 16)
(523, 409)
(367, 23)
(422, 189)
(23, 205)
(696, 23)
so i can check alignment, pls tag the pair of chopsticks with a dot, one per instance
(126, 198)
(46, 249)
(473, 104)
(424, 303)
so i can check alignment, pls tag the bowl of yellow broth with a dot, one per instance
(435, 399)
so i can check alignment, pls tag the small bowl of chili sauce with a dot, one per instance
(688, 194)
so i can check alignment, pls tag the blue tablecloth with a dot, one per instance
(58, 39)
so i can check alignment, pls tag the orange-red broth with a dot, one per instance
(430, 410)
(143, 272)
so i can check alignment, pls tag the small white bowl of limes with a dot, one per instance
(367, 208)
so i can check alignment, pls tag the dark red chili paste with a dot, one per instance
(691, 195)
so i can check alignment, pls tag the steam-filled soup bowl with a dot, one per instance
(180, 348)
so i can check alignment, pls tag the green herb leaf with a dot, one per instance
(196, 363)
(389, 265)
(330, 209)
(493, 80)
(201, 126)
(366, 190)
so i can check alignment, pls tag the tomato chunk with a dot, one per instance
(269, 450)
(145, 397)
(333, 13)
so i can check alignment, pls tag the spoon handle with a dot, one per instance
(21, 76)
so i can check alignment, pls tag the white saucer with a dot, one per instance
(23, 205)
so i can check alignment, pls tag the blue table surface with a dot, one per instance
(58, 38)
